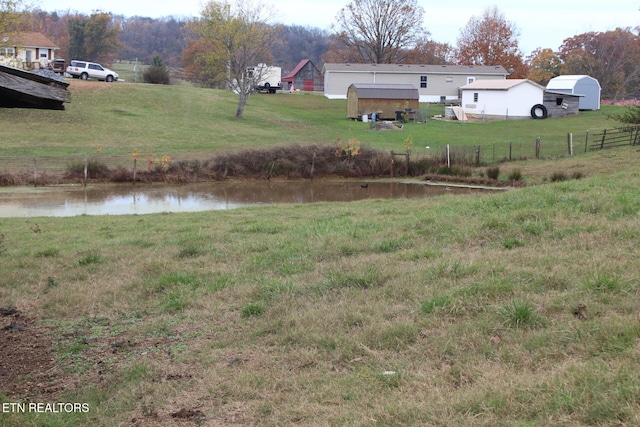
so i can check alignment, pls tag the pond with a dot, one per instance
(66, 201)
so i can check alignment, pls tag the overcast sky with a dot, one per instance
(542, 23)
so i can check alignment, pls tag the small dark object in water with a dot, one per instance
(364, 186)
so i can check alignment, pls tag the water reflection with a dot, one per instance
(122, 200)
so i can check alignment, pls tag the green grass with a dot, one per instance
(455, 310)
(181, 120)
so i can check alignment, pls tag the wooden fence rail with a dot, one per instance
(618, 137)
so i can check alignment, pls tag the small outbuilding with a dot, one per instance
(306, 77)
(29, 51)
(583, 85)
(383, 100)
(559, 104)
(511, 99)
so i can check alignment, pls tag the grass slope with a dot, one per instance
(517, 308)
(120, 118)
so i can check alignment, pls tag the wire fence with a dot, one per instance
(34, 168)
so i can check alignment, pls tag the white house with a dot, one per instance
(435, 83)
(27, 50)
(583, 85)
(510, 99)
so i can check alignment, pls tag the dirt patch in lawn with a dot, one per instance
(27, 365)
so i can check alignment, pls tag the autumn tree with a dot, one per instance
(240, 37)
(611, 57)
(543, 65)
(430, 52)
(12, 16)
(491, 40)
(376, 31)
(94, 38)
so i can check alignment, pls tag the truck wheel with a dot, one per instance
(109, 78)
(84, 76)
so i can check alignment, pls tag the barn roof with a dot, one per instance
(385, 91)
(569, 81)
(418, 68)
(296, 70)
(499, 84)
(32, 39)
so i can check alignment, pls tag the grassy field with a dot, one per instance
(121, 118)
(510, 309)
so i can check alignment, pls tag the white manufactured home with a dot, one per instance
(511, 99)
(435, 83)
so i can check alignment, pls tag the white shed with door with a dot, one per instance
(583, 85)
(511, 99)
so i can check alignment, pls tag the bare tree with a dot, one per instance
(240, 37)
(491, 40)
(377, 31)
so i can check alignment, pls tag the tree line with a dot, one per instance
(365, 31)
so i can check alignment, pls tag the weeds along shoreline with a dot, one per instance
(347, 160)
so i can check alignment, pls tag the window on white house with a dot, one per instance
(470, 80)
(423, 81)
(7, 51)
(449, 79)
(475, 96)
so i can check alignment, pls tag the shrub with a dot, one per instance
(156, 73)
(558, 176)
(515, 175)
(493, 172)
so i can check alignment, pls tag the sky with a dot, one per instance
(541, 23)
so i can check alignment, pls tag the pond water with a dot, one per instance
(65, 201)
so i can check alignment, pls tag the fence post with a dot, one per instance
(570, 143)
(538, 148)
(85, 172)
(478, 156)
(510, 150)
(586, 141)
(604, 136)
(406, 171)
(135, 168)
(448, 157)
(35, 172)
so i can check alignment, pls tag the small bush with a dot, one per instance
(156, 73)
(558, 176)
(493, 172)
(515, 175)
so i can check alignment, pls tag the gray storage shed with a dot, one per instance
(583, 85)
(382, 99)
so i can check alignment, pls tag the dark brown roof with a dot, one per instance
(32, 40)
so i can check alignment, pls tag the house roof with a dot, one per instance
(499, 84)
(385, 91)
(289, 77)
(32, 39)
(416, 68)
